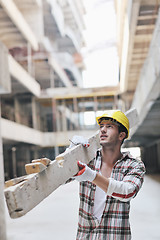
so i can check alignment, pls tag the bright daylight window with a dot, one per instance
(89, 118)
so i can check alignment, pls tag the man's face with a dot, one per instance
(109, 134)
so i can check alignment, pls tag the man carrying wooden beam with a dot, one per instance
(108, 183)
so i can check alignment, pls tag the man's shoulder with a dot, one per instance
(132, 161)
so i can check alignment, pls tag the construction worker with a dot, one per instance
(108, 183)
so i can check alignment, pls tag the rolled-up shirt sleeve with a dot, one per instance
(128, 188)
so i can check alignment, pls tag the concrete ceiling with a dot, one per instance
(143, 19)
(145, 23)
(23, 46)
(9, 33)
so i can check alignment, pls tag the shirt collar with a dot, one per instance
(99, 159)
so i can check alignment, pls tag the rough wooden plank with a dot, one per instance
(34, 167)
(24, 196)
(44, 161)
(37, 165)
(14, 181)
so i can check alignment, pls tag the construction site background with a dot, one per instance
(43, 102)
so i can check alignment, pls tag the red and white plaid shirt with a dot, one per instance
(126, 180)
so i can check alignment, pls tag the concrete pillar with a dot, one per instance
(95, 103)
(34, 114)
(17, 110)
(64, 119)
(158, 155)
(70, 127)
(58, 121)
(95, 107)
(29, 58)
(14, 162)
(150, 158)
(54, 115)
(115, 102)
(5, 78)
(52, 83)
(35, 152)
(2, 209)
(56, 151)
(75, 109)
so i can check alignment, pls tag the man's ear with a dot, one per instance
(122, 135)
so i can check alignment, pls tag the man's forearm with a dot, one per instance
(123, 191)
(101, 182)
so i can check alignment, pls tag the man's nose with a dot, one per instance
(103, 129)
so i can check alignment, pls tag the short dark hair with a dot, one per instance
(121, 128)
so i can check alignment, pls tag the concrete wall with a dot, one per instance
(151, 158)
(5, 80)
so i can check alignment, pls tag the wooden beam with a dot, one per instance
(133, 75)
(145, 27)
(24, 196)
(139, 55)
(141, 50)
(137, 61)
(75, 92)
(148, 17)
(153, 2)
(143, 38)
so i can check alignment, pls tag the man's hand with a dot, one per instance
(78, 140)
(85, 173)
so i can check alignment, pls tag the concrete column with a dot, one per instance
(54, 115)
(58, 121)
(56, 151)
(35, 152)
(95, 104)
(158, 155)
(5, 78)
(75, 109)
(17, 110)
(14, 164)
(29, 58)
(115, 103)
(52, 83)
(83, 111)
(64, 120)
(150, 158)
(34, 114)
(2, 209)
(95, 107)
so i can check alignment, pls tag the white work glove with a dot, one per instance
(78, 140)
(85, 173)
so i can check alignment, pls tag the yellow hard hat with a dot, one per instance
(117, 115)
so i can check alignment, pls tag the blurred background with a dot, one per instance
(63, 62)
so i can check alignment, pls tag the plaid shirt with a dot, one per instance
(126, 180)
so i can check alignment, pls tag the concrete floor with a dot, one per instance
(56, 217)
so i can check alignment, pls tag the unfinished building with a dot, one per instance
(43, 102)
